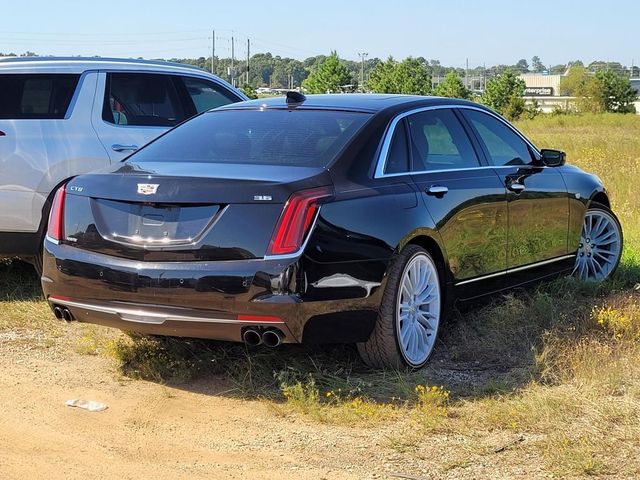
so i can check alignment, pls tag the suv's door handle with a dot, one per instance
(437, 190)
(516, 187)
(124, 148)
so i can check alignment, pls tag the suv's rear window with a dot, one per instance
(36, 96)
(309, 138)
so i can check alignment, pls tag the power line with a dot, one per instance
(110, 33)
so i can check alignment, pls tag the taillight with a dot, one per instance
(55, 229)
(296, 219)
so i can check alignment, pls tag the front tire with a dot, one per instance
(600, 245)
(409, 318)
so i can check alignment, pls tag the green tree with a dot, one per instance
(329, 76)
(409, 77)
(521, 66)
(249, 91)
(616, 93)
(559, 69)
(452, 87)
(574, 82)
(504, 95)
(537, 65)
(605, 91)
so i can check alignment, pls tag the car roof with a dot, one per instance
(82, 64)
(363, 102)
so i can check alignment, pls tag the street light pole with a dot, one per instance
(362, 56)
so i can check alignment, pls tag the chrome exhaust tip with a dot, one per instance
(67, 315)
(251, 337)
(272, 338)
(57, 311)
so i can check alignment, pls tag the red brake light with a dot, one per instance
(55, 229)
(296, 219)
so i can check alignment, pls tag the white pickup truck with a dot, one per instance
(61, 117)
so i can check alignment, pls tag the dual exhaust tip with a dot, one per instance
(63, 313)
(270, 338)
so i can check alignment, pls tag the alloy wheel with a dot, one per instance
(600, 246)
(418, 309)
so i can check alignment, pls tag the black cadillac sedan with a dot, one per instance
(329, 218)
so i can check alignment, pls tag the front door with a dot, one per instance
(537, 197)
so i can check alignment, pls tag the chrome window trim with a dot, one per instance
(516, 269)
(383, 155)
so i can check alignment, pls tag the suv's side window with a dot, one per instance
(142, 99)
(503, 145)
(439, 142)
(36, 96)
(206, 95)
(398, 157)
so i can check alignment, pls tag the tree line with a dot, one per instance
(602, 91)
(598, 87)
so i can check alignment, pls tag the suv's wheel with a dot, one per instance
(407, 326)
(600, 245)
(36, 261)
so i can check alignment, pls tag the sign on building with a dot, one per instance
(538, 91)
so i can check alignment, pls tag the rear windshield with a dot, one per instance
(39, 96)
(263, 137)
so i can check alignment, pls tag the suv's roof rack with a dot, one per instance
(97, 59)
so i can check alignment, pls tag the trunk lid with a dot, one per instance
(181, 211)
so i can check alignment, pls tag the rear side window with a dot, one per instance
(504, 146)
(438, 142)
(142, 99)
(398, 158)
(206, 95)
(35, 96)
(271, 137)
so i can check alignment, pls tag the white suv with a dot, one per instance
(61, 117)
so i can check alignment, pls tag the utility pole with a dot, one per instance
(213, 48)
(233, 61)
(248, 56)
(466, 75)
(484, 77)
(362, 56)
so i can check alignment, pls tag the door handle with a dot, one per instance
(124, 148)
(437, 190)
(516, 187)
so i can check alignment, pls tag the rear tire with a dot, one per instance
(409, 318)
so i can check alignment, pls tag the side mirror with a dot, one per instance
(553, 158)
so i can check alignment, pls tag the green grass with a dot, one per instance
(557, 364)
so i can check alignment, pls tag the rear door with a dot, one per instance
(465, 198)
(537, 196)
(137, 107)
(134, 109)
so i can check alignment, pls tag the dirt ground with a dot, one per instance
(195, 431)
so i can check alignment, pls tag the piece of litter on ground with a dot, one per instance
(89, 405)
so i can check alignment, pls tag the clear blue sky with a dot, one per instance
(488, 31)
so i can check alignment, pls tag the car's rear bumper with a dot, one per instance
(217, 300)
(163, 320)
